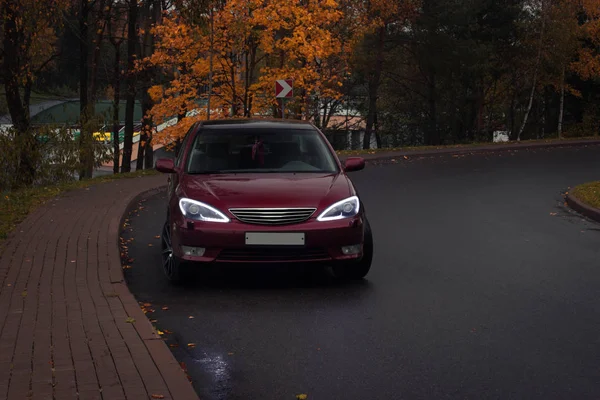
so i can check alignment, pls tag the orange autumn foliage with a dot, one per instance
(255, 43)
(36, 23)
(587, 65)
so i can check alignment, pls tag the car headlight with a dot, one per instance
(199, 211)
(342, 209)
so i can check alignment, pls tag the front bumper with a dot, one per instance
(226, 242)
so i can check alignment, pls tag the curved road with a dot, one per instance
(484, 285)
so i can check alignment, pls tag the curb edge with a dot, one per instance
(582, 208)
(174, 377)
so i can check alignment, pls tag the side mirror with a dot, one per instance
(166, 165)
(354, 164)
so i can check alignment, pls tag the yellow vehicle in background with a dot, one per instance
(105, 133)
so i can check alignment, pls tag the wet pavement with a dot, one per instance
(484, 285)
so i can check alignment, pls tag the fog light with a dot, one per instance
(350, 250)
(193, 251)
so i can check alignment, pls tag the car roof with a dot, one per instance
(256, 123)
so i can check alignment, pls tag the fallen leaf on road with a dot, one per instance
(301, 396)
(173, 345)
(160, 332)
(191, 317)
(157, 237)
(147, 304)
(158, 396)
(150, 245)
(191, 345)
(165, 308)
(130, 320)
(153, 321)
(230, 354)
(553, 214)
(126, 266)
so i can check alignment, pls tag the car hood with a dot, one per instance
(266, 191)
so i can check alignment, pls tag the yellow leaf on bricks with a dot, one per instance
(158, 396)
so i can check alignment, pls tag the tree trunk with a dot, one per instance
(130, 106)
(116, 106)
(377, 132)
(146, 20)
(562, 104)
(210, 61)
(146, 134)
(149, 153)
(432, 137)
(234, 97)
(86, 155)
(10, 70)
(374, 82)
(535, 74)
(96, 51)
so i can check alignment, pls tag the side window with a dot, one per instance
(183, 146)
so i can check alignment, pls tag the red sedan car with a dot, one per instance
(263, 191)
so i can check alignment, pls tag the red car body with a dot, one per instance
(251, 216)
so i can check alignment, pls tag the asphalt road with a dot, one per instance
(484, 286)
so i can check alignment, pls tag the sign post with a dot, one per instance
(284, 89)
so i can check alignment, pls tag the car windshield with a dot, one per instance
(247, 150)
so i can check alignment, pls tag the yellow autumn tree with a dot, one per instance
(179, 56)
(254, 44)
(303, 44)
(588, 62)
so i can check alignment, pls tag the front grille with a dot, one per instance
(270, 254)
(272, 216)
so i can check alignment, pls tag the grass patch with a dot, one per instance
(16, 205)
(457, 146)
(589, 193)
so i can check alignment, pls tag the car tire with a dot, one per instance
(357, 270)
(175, 269)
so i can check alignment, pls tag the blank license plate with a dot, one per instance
(275, 239)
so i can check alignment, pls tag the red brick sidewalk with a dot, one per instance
(67, 328)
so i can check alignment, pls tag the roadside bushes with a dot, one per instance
(44, 156)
